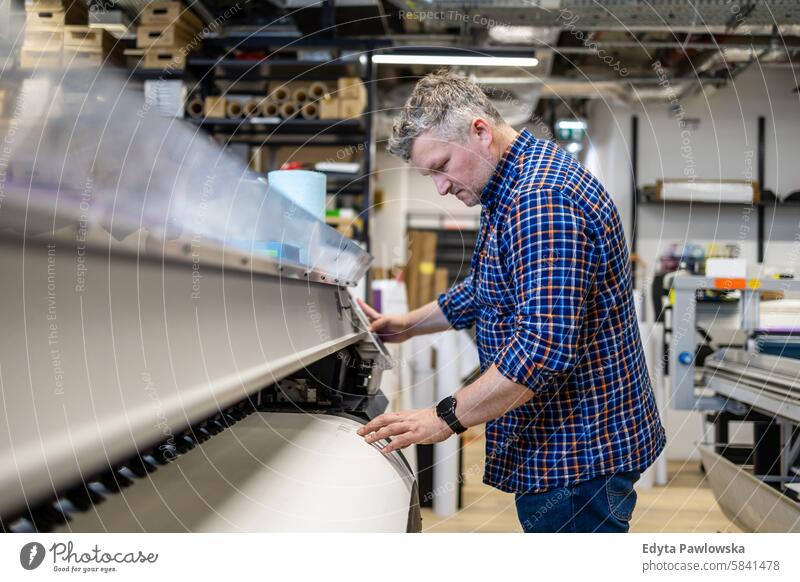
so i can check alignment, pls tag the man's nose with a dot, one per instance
(442, 185)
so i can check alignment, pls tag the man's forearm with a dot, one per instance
(427, 319)
(489, 397)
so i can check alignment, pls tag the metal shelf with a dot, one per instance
(269, 69)
(255, 40)
(276, 126)
(213, 63)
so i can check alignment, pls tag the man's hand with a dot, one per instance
(406, 428)
(390, 328)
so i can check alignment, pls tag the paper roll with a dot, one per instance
(194, 108)
(280, 94)
(269, 108)
(305, 188)
(252, 107)
(288, 109)
(317, 90)
(300, 95)
(309, 111)
(233, 109)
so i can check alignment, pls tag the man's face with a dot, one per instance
(460, 169)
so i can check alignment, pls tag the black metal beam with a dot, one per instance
(760, 210)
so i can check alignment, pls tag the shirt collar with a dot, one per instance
(505, 167)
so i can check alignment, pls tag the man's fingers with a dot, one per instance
(393, 429)
(378, 423)
(371, 313)
(379, 324)
(399, 442)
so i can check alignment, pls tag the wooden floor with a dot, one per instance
(685, 504)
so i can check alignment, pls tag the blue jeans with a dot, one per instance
(603, 504)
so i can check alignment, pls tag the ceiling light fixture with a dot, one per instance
(455, 61)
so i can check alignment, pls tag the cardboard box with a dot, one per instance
(328, 108)
(349, 108)
(162, 35)
(75, 56)
(35, 5)
(165, 58)
(215, 107)
(69, 12)
(36, 59)
(43, 38)
(91, 38)
(169, 12)
(351, 88)
(134, 57)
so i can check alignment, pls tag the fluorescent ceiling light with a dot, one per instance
(446, 60)
(571, 124)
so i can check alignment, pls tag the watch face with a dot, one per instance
(446, 406)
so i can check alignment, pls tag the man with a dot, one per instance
(570, 415)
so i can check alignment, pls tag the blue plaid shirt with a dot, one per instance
(550, 294)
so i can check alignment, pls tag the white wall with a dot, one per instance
(724, 145)
(405, 191)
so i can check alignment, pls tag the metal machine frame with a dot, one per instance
(749, 387)
(115, 360)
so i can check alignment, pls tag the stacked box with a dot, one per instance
(92, 47)
(45, 21)
(347, 102)
(167, 33)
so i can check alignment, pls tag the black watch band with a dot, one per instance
(446, 410)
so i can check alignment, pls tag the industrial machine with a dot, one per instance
(756, 485)
(167, 381)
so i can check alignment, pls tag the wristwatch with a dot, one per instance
(446, 410)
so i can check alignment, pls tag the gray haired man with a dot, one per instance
(564, 390)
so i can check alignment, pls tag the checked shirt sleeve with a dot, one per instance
(458, 304)
(551, 261)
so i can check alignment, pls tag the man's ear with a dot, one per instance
(482, 131)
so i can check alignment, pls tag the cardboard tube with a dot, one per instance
(300, 95)
(233, 109)
(317, 90)
(288, 109)
(252, 107)
(194, 108)
(309, 111)
(280, 94)
(269, 108)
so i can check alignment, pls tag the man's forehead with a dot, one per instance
(427, 149)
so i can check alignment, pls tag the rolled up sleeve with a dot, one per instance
(458, 304)
(551, 260)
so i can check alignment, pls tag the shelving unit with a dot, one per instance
(215, 63)
(638, 199)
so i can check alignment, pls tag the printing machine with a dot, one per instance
(756, 486)
(155, 381)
